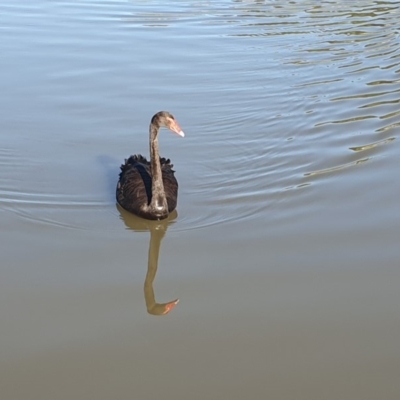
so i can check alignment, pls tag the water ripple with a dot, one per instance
(337, 167)
(272, 90)
(372, 145)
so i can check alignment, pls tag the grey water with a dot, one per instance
(284, 250)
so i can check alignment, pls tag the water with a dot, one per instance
(284, 248)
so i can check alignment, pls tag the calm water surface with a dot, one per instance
(284, 249)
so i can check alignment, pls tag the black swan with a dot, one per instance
(150, 189)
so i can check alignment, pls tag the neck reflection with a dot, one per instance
(157, 232)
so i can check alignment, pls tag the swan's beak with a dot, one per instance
(177, 129)
(169, 306)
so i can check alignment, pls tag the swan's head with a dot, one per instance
(167, 120)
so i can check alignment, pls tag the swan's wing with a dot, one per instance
(134, 185)
(170, 183)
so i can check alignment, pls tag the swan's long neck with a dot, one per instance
(158, 199)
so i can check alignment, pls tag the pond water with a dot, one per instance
(284, 248)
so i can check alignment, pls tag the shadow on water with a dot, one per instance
(157, 231)
(111, 168)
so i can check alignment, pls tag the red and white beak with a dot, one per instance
(169, 306)
(174, 127)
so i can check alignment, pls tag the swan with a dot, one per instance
(149, 189)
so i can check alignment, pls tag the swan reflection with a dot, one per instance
(157, 231)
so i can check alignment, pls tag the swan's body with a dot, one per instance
(134, 190)
(149, 189)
